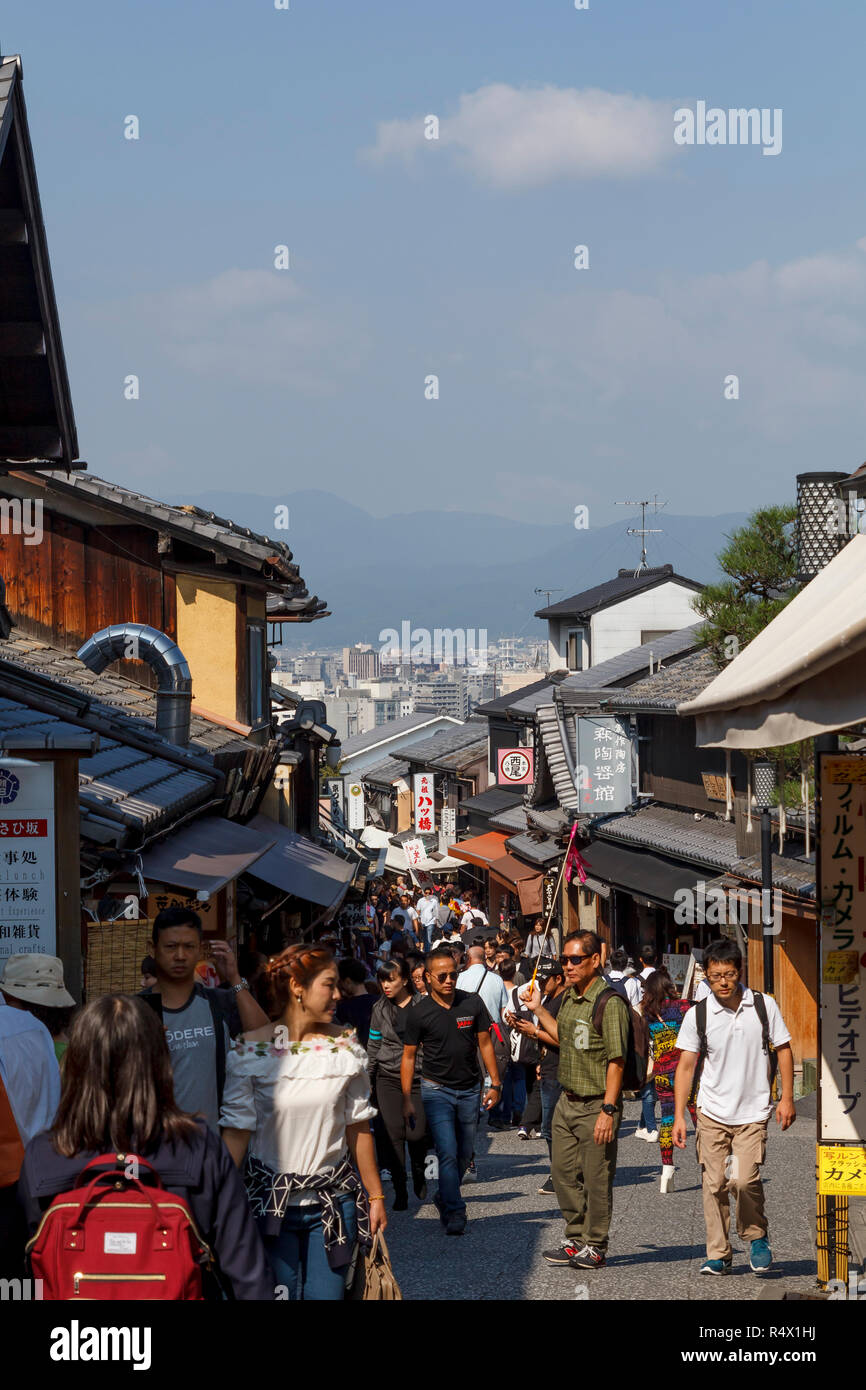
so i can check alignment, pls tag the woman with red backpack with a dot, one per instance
(120, 1142)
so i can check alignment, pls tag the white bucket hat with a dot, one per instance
(36, 980)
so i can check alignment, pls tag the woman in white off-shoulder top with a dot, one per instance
(296, 1115)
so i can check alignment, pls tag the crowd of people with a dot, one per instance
(279, 1103)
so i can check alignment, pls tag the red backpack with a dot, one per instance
(118, 1239)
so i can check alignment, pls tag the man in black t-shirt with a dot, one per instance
(451, 1026)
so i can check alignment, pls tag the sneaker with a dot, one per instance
(640, 1133)
(716, 1266)
(523, 1133)
(760, 1255)
(385, 1175)
(565, 1253)
(456, 1224)
(535, 1134)
(652, 1136)
(471, 1174)
(548, 1190)
(587, 1258)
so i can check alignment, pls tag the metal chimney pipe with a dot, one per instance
(138, 642)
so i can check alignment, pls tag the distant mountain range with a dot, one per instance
(453, 569)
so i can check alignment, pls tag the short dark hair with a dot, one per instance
(507, 949)
(619, 958)
(414, 959)
(437, 952)
(351, 969)
(175, 917)
(508, 969)
(648, 954)
(723, 951)
(148, 966)
(590, 942)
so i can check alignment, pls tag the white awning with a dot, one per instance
(395, 858)
(804, 675)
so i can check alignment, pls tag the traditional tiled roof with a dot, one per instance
(668, 687)
(226, 539)
(386, 772)
(709, 842)
(116, 691)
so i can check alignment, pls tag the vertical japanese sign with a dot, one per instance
(355, 805)
(605, 760)
(28, 887)
(448, 818)
(415, 851)
(843, 953)
(423, 784)
(334, 791)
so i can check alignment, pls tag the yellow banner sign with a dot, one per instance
(841, 1170)
(841, 968)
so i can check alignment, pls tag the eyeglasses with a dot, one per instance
(572, 959)
(449, 975)
(724, 975)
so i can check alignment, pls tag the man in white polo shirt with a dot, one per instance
(733, 1103)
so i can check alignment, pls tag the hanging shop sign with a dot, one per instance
(842, 855)
(28, 876)
(415, 850)
(423, 792)
(334, 790)
(448, 822)
(515, 767)
(606, 764)
(354, 805)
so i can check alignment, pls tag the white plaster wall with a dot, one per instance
(618, 628)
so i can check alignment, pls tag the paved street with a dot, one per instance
(657, 1243)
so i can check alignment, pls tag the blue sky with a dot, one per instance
(409, 257)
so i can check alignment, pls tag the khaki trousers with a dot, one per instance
(730, 1157)
(583, 1171)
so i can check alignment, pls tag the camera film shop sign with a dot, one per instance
(843, 952)
(28, 888)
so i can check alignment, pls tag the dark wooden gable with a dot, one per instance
(37, 426)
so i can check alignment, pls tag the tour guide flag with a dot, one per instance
(574, 860)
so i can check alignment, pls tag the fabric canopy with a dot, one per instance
(301, 867)
(395, 857)
(639, 871)
(519, 878)
(481, 850)
(205, 855)
(804, 675)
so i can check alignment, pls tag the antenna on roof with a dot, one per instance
(547, 593)
(643, 530)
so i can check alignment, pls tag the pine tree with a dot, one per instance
(761, 565)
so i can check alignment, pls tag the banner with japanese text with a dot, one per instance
(28, 885)
(842, 854)
(423, 792)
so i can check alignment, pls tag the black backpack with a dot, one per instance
(637, 1050)
(769, 1050)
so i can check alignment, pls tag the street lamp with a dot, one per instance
(764, 780)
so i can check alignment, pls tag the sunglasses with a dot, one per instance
(572, 960)
(449, 975)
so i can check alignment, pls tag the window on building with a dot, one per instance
(652, 634)
(257, 671)
(574, 648)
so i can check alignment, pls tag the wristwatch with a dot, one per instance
(609, 1109)
(241, 984)
(494, 1088)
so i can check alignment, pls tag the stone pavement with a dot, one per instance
(657, 1242)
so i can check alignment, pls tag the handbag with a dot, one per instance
(373, 1278)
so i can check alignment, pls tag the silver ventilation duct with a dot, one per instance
(138, 642)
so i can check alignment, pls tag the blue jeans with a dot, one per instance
(648, 1105)
(513, 1100)
(550, 1093)
(452, 1119)
(299, 1259)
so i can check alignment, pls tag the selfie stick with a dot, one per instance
(538, 958)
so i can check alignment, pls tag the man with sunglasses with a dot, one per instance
(741, 1036)
(588, 1113)
(451, 1026)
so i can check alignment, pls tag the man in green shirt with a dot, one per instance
(588, 1113)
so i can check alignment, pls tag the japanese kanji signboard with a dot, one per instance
(354, 804)
(415, 851)
(515, 767)
(28, 888)
(605, 777)
(423, 784)
(841, 1170)
(843, 957)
